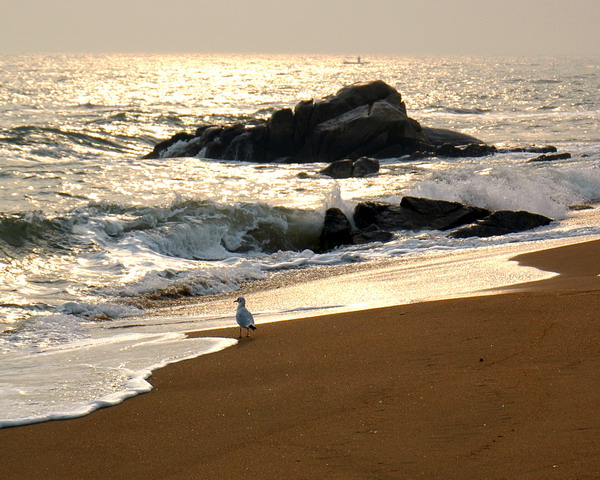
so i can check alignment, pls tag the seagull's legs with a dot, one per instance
(240, 333)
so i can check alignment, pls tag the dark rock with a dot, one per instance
(366, 119)
(337, 230)
(418, 155)
(368, 93)
(376, 221)
(371, 234)
(347, 168)
(200, 130)
(161, 147)
(241, 147)
(214, 149)
(281, 134)
(531, 149)
(442, 215)
(400, 150)
(448, 150)
(365, 166)
(577, 207)
(210, 139)
(416, 214)
(353, 96)
(211, 133)
(441, 136)
(545, 149)
(339, 169)
(470, 150)
(190, 149)
(502, 222)
(302, 118)
(230, 132)
(551, 157)
(479, 150)
(364, 130)
(247, 144)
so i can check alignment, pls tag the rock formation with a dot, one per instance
(367, 119)
(417, 214)
(377, 221)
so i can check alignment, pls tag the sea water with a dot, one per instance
(91, 234)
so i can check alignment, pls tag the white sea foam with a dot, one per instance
(74, 379)
(547, 191)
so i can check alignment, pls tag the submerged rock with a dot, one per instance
(365, 166)
(339, 169)
(365, 119)
(470, 150)
(346, 168)
(551, 157)
(579, 207)
(502, 222)
(371, 234)
(442, 136)
(529, 149)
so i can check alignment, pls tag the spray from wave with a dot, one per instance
(545, 190)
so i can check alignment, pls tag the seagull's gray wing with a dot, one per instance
(243, 317)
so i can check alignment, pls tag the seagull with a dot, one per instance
(243, 317)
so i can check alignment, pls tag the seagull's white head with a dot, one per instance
(241, 301)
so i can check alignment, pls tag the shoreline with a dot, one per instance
(493, 386)
(426, 276)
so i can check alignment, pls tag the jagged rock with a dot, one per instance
(365, 130)
(302, 117)
(337, 230)
(416, 214)
(551, 157)
(502, 222)
(280, 129)
(347, 168)
(366, 119)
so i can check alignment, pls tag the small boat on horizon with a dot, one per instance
(358, 61)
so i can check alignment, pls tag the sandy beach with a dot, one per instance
(503, 386)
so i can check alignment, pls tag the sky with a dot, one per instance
(365, 27)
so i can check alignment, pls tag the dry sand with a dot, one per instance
(494, 387)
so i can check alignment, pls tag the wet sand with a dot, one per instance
(490, 387)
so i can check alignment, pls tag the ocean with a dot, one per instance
(107, 259)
